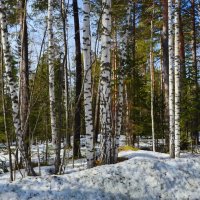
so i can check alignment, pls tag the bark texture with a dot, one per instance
(54, 131)
(152, 85)
(177, 80)
(105, 83)
(121, 78)
(24, 86)
(88, 84)
(77, 128)
(64, 14)
(171, 77)
(165, 70)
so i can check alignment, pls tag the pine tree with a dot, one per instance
(165, 69)
(78, 107)
(24, 85)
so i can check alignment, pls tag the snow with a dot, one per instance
(145, 175)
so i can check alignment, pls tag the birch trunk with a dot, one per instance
(171, 77)
(5, 118)
(121, 79)
(177, 81)
(54, 131)
(66, 79)
(126, 115)
(105, 83)
(67, 142)
(88, 84)
(11, 83)
(152, 87)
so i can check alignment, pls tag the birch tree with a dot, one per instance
(4, 115)
(64, 15)
(105, 83)
(121, 77)
(12, 86)
(54, 131)
(171, 77)
(88, 84)
(152, 84)
(13, 91)
(8, 67)
(177, 80)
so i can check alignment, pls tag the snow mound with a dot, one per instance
(146, 175)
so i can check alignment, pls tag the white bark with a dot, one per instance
(11, 83)
(54, 131)
(126, 117)
(66, 79)
(88, 84)
(177, 82)
(105, 83)
(171, 77)
(121, 79)
(152, 88)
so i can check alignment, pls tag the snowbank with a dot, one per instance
(146, 175)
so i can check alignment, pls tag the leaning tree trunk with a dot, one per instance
(24, 86)
(121, 79)
(88, 84)
(171, 77)
(54, 131)
(77, 127)
(105, 83)
(177, 81)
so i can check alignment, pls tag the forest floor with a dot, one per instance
(145, 175)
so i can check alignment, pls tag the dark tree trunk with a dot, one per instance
(182, 68)
(24, 86)
(182, 48)
(165, 69)
(134, 31)
(77, 128)
(97, 120)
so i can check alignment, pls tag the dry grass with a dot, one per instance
(128, 148)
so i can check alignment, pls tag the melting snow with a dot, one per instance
(146, 175)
